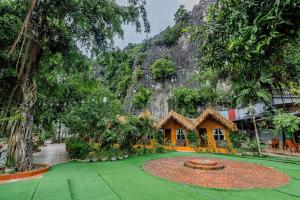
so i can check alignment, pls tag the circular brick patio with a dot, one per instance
(235, 175)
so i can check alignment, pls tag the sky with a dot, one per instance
(160, 14)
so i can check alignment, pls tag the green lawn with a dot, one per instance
(126, 180)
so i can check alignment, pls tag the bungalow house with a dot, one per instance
(211, 128)
(174, 127)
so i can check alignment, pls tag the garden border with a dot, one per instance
(20, 175)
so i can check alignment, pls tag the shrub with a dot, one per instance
(192, 137)
(77, 148)
(132, 131)
(159, 148)
(185, 101)
(109, 138)
(141, 98)
(138, 73)
(162, 69)
(141, 57)
(238, 138)
(181, 15)
(172, 34)
(252, 146)
(158, 135)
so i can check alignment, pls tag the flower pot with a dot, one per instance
(10, 170)
(125, 156)
(113, 158)
(104, 159)
(120, 158)
(84, 161)
(94, 159)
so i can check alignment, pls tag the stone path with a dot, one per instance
(235, 175)
(52, 154)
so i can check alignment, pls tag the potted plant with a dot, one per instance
(121, 156)
(125, 154)
(113, 156)
(104, 156)
(93, 157)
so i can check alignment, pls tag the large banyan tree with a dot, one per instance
(51, 25)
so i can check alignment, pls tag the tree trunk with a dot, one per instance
(20, 146)
(21, 130)
(20, 142)
(59, 133)
(256, 135)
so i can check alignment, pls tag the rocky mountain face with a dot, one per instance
(182, 53)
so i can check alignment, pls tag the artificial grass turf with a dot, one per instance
(127, 180)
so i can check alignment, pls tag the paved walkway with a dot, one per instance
(235, 175)
(52, 154)
(280, 153)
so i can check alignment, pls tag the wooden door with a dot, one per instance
(167, 139)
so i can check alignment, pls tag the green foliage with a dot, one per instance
(242, 142)
(281, 122)
(181, 15)
(249, 40)
(109, 138)
(158, 135)
(163, 68)
(237, 138)
(41, 31)
(185, 101)
(141, 98)
(89, 116)
(141, 57)
(11, 18)
(132, 131)
(63, 80)
(285, 122)
(171, 35)
(77, 148)
(138, 73)
(159, 148)
(193, 138)
(117, 69)
(247, 93)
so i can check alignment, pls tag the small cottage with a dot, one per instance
(212, 129)
(175, 127)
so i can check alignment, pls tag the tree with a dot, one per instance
(140, 100)
(280, 122)
(171, 35)
(249, 93)
(185, 101)
(162, 69)
(51, 25)
(181, 15)
(117, 69)
(246, 39)
(133, 130)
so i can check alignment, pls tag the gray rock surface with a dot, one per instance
(182, 54)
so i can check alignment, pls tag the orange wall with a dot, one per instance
(173, 125)
(208, 124)
(211, 124)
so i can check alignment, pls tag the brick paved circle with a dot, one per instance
(235, 175)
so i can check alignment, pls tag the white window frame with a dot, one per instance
(180, 132)
(220, 131)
